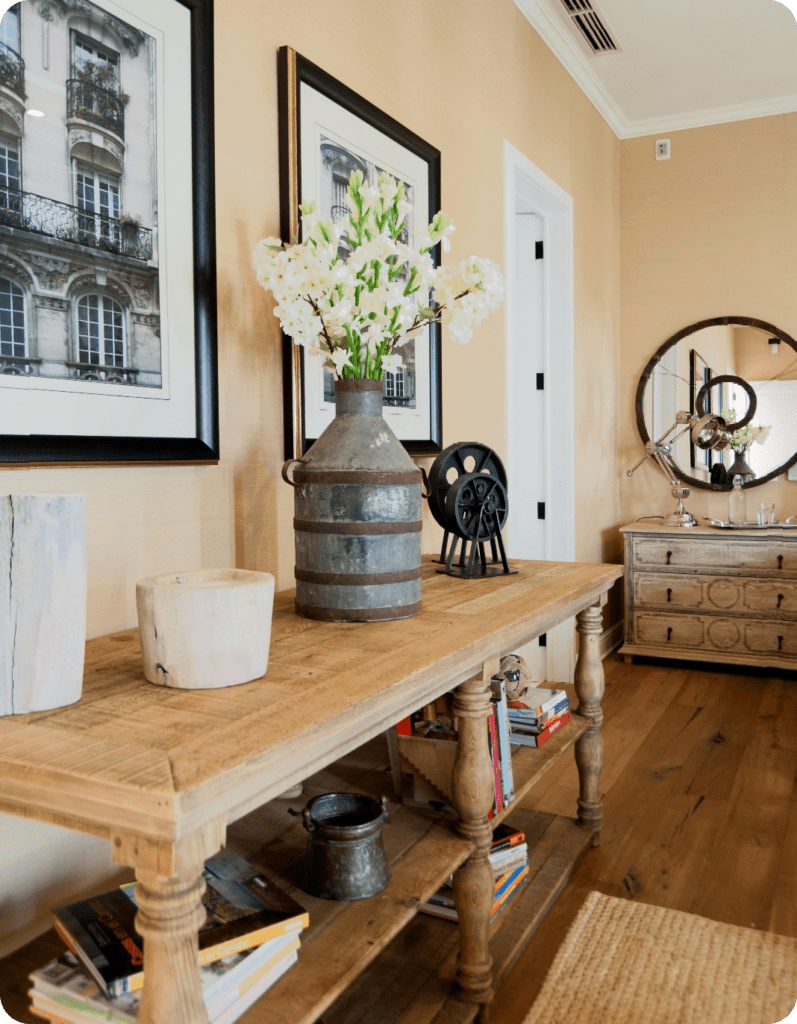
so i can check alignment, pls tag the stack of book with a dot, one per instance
(537, 716)
(509, 859)
(250, 938)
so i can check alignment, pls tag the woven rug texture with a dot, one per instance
(629, 963)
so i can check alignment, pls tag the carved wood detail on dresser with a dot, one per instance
(706, 594)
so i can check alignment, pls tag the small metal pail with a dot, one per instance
(345, 858)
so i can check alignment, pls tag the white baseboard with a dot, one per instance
(612, 638)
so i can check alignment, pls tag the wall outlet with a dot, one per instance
(792, 475)
(662, 149)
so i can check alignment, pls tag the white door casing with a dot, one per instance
(546, 473)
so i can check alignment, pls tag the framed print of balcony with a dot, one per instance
(326, 132)
(107, 232)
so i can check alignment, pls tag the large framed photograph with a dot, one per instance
(326, 132)
(107, 232)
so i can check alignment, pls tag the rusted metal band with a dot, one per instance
(361, 529)
(356, 579)
(403, 611)
(356, 476)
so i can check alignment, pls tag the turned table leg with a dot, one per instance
(589, 683)
(169, 896)
(472, 789)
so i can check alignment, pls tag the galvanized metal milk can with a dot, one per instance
(357, 509)
(345, 858)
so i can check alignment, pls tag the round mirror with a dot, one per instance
(761, 355)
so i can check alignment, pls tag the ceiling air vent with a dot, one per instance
(591, 26)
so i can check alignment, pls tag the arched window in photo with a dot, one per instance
(100, 331)
(12, 323)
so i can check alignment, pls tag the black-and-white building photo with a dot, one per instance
(79, 297)
(337, 164)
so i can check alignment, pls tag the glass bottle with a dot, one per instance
(736, 502)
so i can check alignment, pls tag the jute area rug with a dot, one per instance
(630, 963)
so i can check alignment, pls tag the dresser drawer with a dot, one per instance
(669, 630)
(694, 554)
(715, 593)
(770, 595)
(708, 633)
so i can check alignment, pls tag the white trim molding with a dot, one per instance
(524, 181)
(566, 49)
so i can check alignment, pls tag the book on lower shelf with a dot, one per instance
(509, 859)
(534, 736)
(244, 910)
(441, 903)
(62, 991)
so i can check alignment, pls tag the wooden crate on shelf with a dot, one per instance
(429, 760)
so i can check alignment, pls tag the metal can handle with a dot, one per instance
(285, 476)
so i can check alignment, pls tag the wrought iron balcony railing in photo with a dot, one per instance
(30, 212)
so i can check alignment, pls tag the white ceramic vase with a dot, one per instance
(42, 601)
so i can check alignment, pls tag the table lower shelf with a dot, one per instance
(351, 949)
(344, 953)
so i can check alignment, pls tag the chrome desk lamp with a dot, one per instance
(709, 431)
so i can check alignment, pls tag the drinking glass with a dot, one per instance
(766, 513)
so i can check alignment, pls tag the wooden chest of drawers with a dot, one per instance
(711, 595)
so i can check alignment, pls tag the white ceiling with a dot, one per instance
(681, 63)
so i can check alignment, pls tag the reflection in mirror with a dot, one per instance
(759, 354)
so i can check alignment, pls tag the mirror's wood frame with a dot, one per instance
(655, 359)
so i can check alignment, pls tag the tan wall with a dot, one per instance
(710, 232)
(756, 360)
(464, 75)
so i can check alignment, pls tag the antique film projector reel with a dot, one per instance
(467, 494)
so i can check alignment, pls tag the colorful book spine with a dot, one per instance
(502, 722)
(538, 739)
(498, 800)
(504, 837)
(537, 701)
(506, 864)
(507, 883)
(533, 728)
(518, 715)
(506, 898)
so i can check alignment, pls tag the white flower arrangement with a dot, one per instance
(355, 311)
(742, 439)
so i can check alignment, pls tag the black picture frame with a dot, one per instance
(201, 442)
(699, 374)
(294, 71)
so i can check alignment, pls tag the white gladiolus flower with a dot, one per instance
(353, 311)
(340, 357)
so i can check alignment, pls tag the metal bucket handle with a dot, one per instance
(287, 479)
(307, 818)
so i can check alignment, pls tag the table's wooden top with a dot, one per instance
(157, 761)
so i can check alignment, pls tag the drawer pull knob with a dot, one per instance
(669, 594)
(669, 556)
(780, 643)
(669, 633)
(780, 561)
(780, 598)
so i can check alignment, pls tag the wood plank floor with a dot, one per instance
(700, 814)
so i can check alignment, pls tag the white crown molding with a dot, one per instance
(564, 46)
(557, 37)
(714, 115)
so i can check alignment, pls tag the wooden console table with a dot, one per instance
(161, 772)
